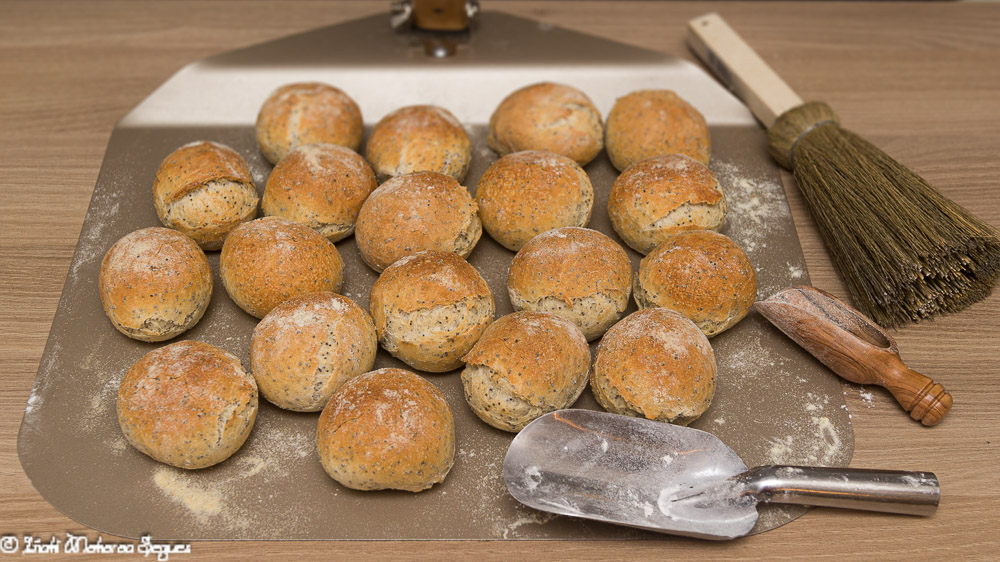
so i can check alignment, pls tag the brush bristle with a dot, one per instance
(904, 250)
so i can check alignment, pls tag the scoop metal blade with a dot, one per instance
(630, 471)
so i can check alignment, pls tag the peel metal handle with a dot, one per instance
(891, 491)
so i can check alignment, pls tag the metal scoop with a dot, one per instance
(679, 480)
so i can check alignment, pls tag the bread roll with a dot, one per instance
(576, 273)
(321, 186)
(655, 364)
(309, 346)
(649, 123)
(422, 211)
(188, 404)
(526, 193)
(550, 117)
(307, 113)
(270, 260)
(204, 190)
(155, 284)
(701, 274)
(419, 138)
(662, 195)
(525, 365)
(429, 309)
(387, 429)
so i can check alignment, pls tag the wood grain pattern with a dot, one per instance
(923, 87)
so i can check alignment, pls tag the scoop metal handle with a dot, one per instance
(891, 491)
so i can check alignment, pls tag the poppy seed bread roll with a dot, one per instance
(418, 212)
(321, 186)
(526, 193)
(309, 346)
(525, 365)
(155, 284)
(419, 138)
(429, 309)
(188, 404)
(204, 190)
(270, 260)
(576, 273)
(655, 364)
(307, 113)
(387, 429)
(648, 123)
(662, 195)
(550, 117)
(701, 274)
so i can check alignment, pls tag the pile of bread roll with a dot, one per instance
(192, 405)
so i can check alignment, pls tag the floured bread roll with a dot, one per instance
(387, 429)
(655, 364)
(429, 309)
(527, 364)
(701, 274)
(155, 284)
(188, 404)
(576, 273)
(204, 190)
(307, 113)
(419, 138)
(648, 123)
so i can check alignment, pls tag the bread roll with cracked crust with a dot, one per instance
(309, 346)
(321, 186)
(527, 364)
(155, 284)
(655, 364)
(419, 138)
(270, 260)
(429, 309)
(526, 193)
(662, 195)
(307, 113)
(188, 404)
(204, 190)
(550, 117)
(387, 429)
(648, 123)
(576, 273)
(701, 274)
(418, 212)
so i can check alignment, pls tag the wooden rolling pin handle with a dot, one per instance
(854, 347)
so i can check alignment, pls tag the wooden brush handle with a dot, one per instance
(854, 347)
(740, 68)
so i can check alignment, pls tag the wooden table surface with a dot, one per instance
(920, 80)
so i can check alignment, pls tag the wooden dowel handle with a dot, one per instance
(854, 347)
(740, 68)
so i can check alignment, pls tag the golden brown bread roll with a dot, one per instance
(429, 309)
(648, 123)
(204, 190)
(387, 429)
(155, 284)
(662, 195)
(701, 274)
(422, 211)
(550, 117)
(188, 404)
(526, 193)
(655, 364)
(309, 346)
(576, 273)
(307, 113)
(321, 186)
(525, 365)
(270, 260)
(419, 138)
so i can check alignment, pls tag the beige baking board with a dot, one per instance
(774, 403)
